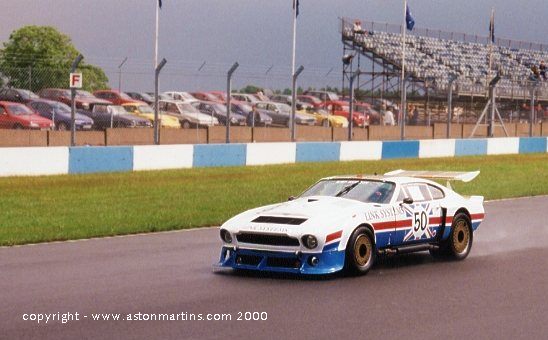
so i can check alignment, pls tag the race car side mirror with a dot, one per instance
(291, 198)
(408, 200)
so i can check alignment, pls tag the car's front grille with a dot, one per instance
(270, 240)
(279, 220)
(283, 262)
(250, 260)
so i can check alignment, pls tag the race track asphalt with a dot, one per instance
(498, 292)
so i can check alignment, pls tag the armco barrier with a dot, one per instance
(470, 147)
(400, 149)
(318, 152)
(34, 161)
(31, 161)
(210, 155)
(159, 157)
(530, 145)
(94, 159)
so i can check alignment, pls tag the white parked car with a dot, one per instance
(187, 114)
(344, 222)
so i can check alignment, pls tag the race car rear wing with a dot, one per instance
(443, 175)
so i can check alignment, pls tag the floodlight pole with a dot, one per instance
(452, 78)
(532, 114)
(351, 103)
(73, 102)
(120, 74)
(228, 99)
(294, 100)
(156, 88)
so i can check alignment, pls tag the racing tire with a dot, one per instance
(62, 127)
(460, 240)
(360, 252)
(185, 124)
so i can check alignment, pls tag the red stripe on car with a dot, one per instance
(334, 236)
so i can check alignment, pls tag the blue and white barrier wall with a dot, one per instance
(33, 161)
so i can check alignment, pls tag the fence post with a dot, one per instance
(452, 78)
(532, 113)
(156, 85)
(228, 99)
(294, 100)
(73, 102)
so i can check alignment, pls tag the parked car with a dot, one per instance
(324, 96)
(146, 112)
(341, 108)
(280, 114)
(19, 116)
(323, 117)
(346, 222)
(219, 111)
(311, 100)
(60, 114)
(245, 109)
(188, 115)
(285, 99)
(17, 95)
(206, 96)
(244, 97)
(372, 116)
(114, 116)
(116, 97)
(142, 96)
(179, 95)
(83, 100)
(221, 95)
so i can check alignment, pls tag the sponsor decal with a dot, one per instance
(268, 229)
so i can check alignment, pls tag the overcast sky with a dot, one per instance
(256, 33)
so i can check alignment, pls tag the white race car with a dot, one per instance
(344, 222)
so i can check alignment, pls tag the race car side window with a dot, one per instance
(425, 192)
(418, 192)
(401, 196)
(436, 192)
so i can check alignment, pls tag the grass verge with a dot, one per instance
(39, 209)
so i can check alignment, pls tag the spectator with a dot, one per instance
(413, 115)
(388, 117)
(535, 73)
(357, 28)
(542, 70)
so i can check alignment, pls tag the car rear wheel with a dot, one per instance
(460, 240)
(185, 124)
(360, 251)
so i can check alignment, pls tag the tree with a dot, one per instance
(252, 89)
(36, 57)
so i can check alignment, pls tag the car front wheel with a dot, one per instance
(460, 240)
(360, 251)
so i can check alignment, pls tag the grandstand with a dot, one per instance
(434, 57)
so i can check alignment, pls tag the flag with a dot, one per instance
(160, 3)
(296, 7)
(409, 21)
(492, 27)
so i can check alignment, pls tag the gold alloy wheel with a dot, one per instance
(461, 237)
(362, 250)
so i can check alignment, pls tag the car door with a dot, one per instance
(4, 119)
(419, 221)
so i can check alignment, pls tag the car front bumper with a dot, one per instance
(329, 261)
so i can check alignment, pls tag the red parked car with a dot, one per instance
(83, 100)
(314, 101)
(341, 108)
(116, 97)
(206, 97)
(19, 116)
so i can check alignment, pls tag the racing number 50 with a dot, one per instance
(420, 221)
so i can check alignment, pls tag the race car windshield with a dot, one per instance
(359, 190)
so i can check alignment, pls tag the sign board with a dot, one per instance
(75, 80)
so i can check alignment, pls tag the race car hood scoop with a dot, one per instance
(280, 220)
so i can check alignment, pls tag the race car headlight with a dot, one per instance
(225, 236)
(310, 241)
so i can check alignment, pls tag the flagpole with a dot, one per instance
(156, 34)
(294, 95)
(402, 108)
(491, 34)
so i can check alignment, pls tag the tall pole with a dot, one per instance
(156, 89)
(491, 39)
(351, 103)
(532, 114)
(294, 100)
(403, 104)
(120, 74)
(156, 33)
(228, 99)
(73, 102)
(293, 104)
